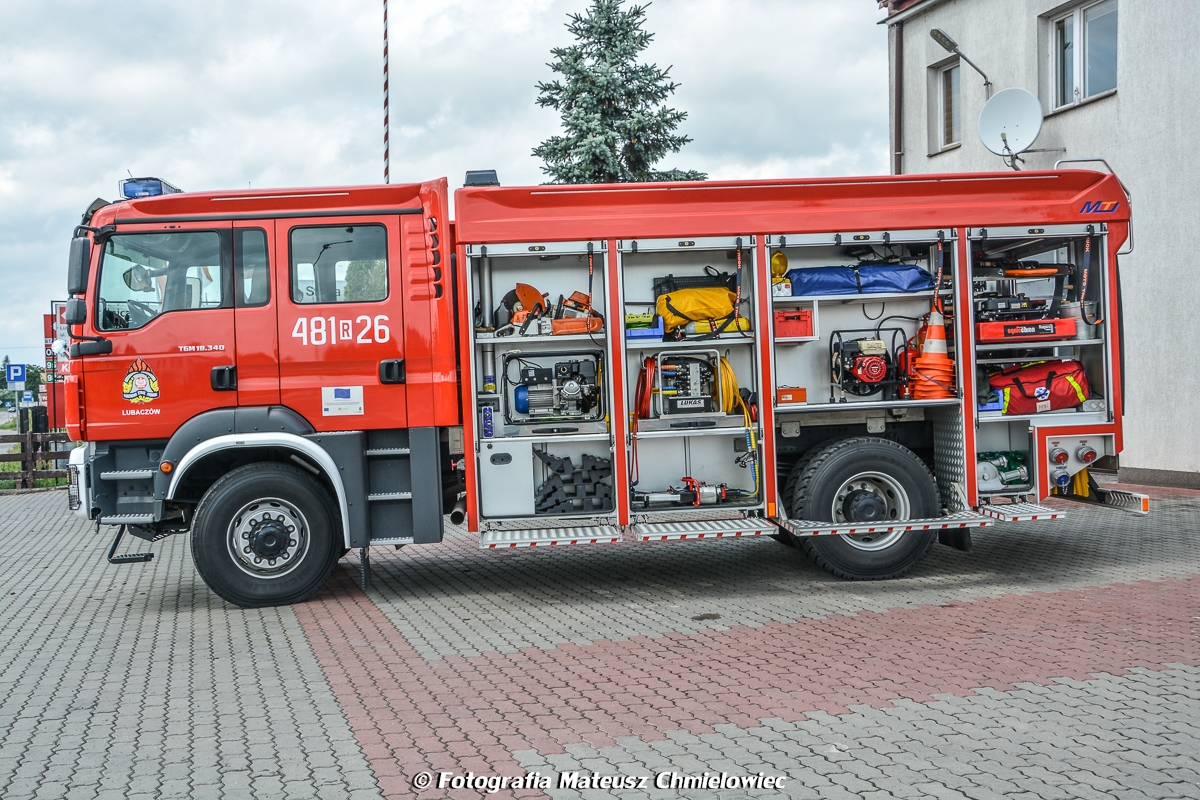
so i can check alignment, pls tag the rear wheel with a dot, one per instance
(865, 480)
(264, 535)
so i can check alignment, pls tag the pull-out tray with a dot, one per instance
(549, 537)
(703, 529)
(1022, 512)
(962, 519)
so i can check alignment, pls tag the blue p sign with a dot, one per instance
(16, 373)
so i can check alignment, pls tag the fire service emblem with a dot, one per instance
(140, 385)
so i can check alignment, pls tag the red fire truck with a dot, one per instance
(857, 367)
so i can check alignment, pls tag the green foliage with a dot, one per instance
(365, 281)
(616, 126)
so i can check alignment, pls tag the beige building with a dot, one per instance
(1117, 81)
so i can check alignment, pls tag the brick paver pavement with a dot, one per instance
(1057, 660)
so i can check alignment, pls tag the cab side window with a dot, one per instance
(339, 264)
(251, 273)
(145, 275)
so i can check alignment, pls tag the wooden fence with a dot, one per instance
(35, 452)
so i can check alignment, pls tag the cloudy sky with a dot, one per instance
(272, 93)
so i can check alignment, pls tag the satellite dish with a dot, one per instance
(1010, 122)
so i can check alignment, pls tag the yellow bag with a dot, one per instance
(682, 306)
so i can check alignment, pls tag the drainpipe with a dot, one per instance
(898, 100)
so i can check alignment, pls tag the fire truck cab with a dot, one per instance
(842, 364)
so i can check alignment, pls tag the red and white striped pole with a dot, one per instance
(386, 128)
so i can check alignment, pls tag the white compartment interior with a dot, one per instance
(807, 364)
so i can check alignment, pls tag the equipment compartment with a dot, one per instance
(871, 339)
(690, 337)
(1032, 304)
(521, 478)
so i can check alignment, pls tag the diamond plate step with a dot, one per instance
(1022, 512)
(549, 537)
(962, 519)
(703, 529)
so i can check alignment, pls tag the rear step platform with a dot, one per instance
(549, 537)
(1123, 500)
(959, 520)
(703, 529)
(1022, 512)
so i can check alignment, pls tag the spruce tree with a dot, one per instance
(616, 124)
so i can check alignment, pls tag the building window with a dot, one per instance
(1084, 53)
(951, 112)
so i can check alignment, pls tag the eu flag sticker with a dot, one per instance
(341, 401)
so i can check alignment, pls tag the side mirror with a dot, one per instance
(75, 312)
(77, 265)
(137, 278)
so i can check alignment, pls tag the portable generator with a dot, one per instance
(566, 389)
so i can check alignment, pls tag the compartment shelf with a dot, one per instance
(1069, 416)
(654, 344)
(682, 432)
(869, 404)
(869, 297)
(553, 437)
(1036, 345)
(566, 337)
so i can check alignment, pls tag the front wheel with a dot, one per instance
(265, 535)
(865, 480)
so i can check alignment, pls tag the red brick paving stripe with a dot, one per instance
(463, 713)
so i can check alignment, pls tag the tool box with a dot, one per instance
(793, 323)
(1025, 330)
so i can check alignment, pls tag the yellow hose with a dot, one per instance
(731, 397)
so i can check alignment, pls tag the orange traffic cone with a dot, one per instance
(934, 368)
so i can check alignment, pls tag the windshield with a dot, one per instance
(143, 275)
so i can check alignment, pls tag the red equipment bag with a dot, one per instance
(1044, 386)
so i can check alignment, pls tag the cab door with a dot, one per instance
(341, 322)
(164, 299)
(256, 326)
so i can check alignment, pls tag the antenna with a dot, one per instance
(1010, 123)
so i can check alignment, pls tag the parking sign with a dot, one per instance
(16, 377)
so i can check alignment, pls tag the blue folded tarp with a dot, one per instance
(862, 279)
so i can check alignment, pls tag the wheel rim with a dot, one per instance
(871, 497)
(268, 538)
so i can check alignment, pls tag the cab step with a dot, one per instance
(381, 497)
(956, 521)
(1022, 512)
(126, 558)
(127, 519)
(127, 475)
(703, 529)
(549, 537)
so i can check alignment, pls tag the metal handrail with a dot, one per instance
(1124, 188)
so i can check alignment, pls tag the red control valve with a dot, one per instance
(1059, 456)
(1086, 454)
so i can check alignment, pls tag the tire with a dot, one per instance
(789, 488)
(865, 479)
(255, 506)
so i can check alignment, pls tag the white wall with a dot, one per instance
(1149, 131)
